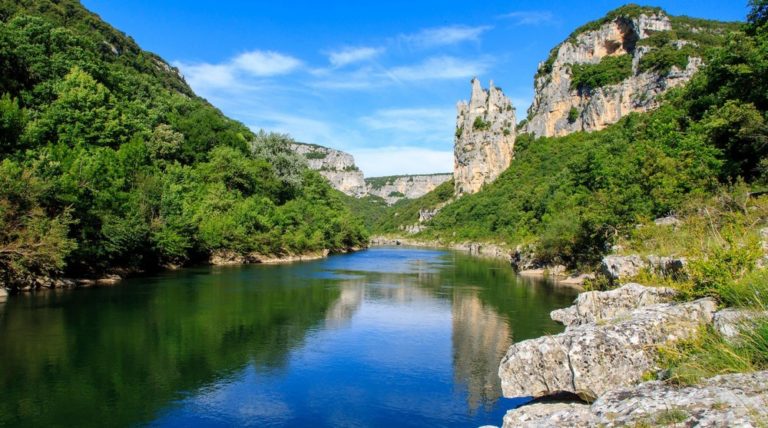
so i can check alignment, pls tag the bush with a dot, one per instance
(609, 71)
(573, 115)
(480, 124)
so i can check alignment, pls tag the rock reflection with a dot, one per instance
(480, 338)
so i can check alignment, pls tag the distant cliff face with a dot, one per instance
(340, 170)
(336, 166)
(616, 66)
(392, 189)
(485, 138)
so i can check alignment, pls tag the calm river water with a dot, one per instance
(384, 337)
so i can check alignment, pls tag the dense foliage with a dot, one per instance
(574, 196)
(609, 71)
(406, 211)
(700, 36)
(107, 160)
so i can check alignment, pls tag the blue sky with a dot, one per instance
(377, 79)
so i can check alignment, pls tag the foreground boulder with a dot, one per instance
(728, 400)
(596, 306)
(591, 359)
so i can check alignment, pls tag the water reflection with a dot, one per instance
(384, 336)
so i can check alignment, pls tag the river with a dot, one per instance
(383, 337)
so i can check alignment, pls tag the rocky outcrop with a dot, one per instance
(728, 400)
(732, 322)
(485, 138)
(598, 306)
(226, 258)
(395, 188)
(591, 359)
(560, 108)
(336, 166)
(615, 267)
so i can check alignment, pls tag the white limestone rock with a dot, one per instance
(485, 138)
(398, 187)
(728, 400)
(590, 359)
(600, 107)
(597, 306)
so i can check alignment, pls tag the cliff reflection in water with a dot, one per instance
(386, 336)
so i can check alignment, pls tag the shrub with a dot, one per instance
(609, 71)
(481, 125)
(573, 115)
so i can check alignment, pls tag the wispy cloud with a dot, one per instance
(348, 56)
(411, 120)
(395, 160)
(444, 36)
(207, 75)
(530, 17)
(430, 69)
(230, 74)
(265, 63)
(441, 68)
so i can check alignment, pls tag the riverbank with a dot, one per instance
(219, 258)
(521, 261)
(609, 358)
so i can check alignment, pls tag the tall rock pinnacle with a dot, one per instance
(485, 138)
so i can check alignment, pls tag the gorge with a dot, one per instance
(164, 264)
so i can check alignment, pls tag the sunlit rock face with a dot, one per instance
(485, 138)
(559, 109)
(395, 188)
(336, 166)
(339, 169)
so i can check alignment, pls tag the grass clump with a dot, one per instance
(710, 354)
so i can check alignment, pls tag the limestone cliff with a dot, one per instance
(394, 188)
(336, 166)
(615, 66)
(340, 170)
(485, 138)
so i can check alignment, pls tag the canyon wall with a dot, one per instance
(657, 59)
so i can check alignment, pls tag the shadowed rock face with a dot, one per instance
(550, 114)
(485, 138)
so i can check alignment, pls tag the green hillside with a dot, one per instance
(109, 160)
(573, 197)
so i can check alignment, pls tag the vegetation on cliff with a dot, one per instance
(108, 159)
(574, 196)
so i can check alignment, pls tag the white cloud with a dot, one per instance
(230, 75)
(402, 160)
(440, 68)
(533, 17)
(432, 123)
(444, 36)
(348, 56)
(265, 63)
(433, 68)
(207, 75)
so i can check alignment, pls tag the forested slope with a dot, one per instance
(573, 196)
(109, 160)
